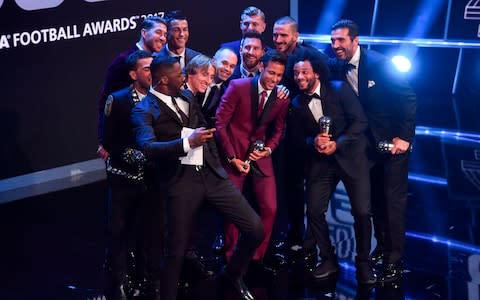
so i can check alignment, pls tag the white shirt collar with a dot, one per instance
(317, 89)
(261, 89)
(161, 96)
(175, 54)
(356, 58)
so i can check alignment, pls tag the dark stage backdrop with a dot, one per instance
(53, 57)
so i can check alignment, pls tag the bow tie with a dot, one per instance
(310, 97)
(349, 66)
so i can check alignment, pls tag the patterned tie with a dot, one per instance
(183, 116)
(261, 103)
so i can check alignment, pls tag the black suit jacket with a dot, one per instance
(210, 108)
(157, 131)
(348, 126)
(116, 78)
(189, 53)
(387, 99)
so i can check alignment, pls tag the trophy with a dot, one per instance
(258, 146)
(386, 146)
(325, 122)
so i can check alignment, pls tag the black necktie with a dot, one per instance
(183, 116)
(250, 75)
(213, 91)
(348, 66)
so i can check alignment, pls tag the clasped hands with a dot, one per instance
(324, 144)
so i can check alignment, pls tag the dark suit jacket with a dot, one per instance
(189, 54)
(348, 126)
(234, 45)
(116, 78)
(237, 124)
(210, 108)
(157, 131)
(387, 99)
(118, 134)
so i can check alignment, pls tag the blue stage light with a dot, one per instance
(402, 63)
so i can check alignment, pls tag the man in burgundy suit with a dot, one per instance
(250, 111)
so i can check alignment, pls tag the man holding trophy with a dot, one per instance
(250, 123)
(327, 126)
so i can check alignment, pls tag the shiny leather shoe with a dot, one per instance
(325, 269)
(391, 272)
(377, 256)
(365, 274)
(218, 246)
(235, 283)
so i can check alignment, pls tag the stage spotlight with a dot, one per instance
(402, 63)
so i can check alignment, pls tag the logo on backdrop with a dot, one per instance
(472, 12)
(36, 5)
(71, 31)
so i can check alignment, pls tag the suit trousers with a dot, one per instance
(265, 195)
(126, 203)
(322, 180)
(186, 193)
(389, 177)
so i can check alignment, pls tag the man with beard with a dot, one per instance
(390, 106)
(127, 197)
(251, 52)
(333, 154)
(177, 39)
(169, 129)
(153, 36)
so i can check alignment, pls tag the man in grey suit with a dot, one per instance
(169, 130)
(177, 39)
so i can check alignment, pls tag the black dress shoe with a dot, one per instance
(235, 283)
(194, 269)
(326, 269)
(377, 256)
(218, 246)
(365, 274)
(391, 272)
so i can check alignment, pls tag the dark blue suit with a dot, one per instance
(157, 130)
(348, 163)
(390, 106)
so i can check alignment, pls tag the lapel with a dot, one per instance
(160, 105)
(272, 99)
(254, 97)
(362, 73)
(216, 97)
(304, 102)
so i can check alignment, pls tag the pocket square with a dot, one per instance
(371, 83)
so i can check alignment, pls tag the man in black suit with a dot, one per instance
(177, 38)
(168, 128)
(390, 106)
(153, 36)
(332, 154)
(127, 197)
(252, 18)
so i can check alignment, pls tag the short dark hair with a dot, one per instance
(350, 25)
(274, 56)
(174, 15)
(161, 64)
(252, 11)
(288, 20)
(319, 62)
(151, 21)
(252, 34)
(134, 57)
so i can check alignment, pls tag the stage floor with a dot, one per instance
(53, 248)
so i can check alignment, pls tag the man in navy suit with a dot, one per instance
(390, 106)
(127, 196)
(153, 36)
(332, 154)
(177, 39)
(252, 18)
(169, 129)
